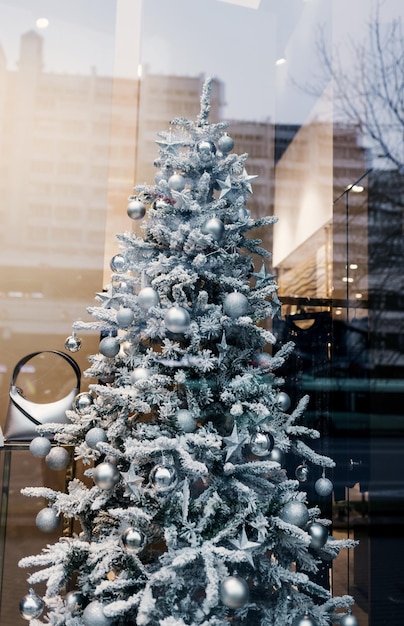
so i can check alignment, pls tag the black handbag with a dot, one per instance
(23, 415)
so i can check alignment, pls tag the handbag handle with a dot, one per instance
(64, 356)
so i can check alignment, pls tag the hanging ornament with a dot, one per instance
(106, 475)
(57, 459)
(95, 436)
(235, 305)
(214, 227)
(323, 486)
(163, 477)
(243, 214)
(206, 151)
(176, 182)
(234, 592)
(225, 143)
(136, 209)
(40, 447)
(118, 264)
(295, 512)
(75, 601)
(283, 401)
(82, 402)
(318, 533)
(125, 317)
(186, 421)
(302, 473)
(133, 540)
(261, 444)
(277, 456)
(47, 520)
(247, 546)
(140, 373)
(148, 297)
(31, 606)
(109, 347)
(349, 620)
(73, 343)
(177, 320)
(262, 359)
(304, 620)
(93, 615)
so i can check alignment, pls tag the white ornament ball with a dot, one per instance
(234, 592)
(186, 421)
(140, 373)
(261, 444)
(302, 473)
(163, 477)
(125, 317)
(148, 297)
(283, 401)
(47, 520)
(82, 402)
(225, 143)
(214, 227)
(40, 447)
(304, 620)
(75, 601)
(295, 512)
(235, 305)
(57, 459)
(73, 343)
(31, 606)
(93, 615)
(176, 182)
(349, 620)
(323, 486)
(109, 347)
(95, 436)
(118, 264)
(133, 540)
(136, 209)
(319, 535)
(106, 476)
(177, 320)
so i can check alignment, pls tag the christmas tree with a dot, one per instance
(185, 513)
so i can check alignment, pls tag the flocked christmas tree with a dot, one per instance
(188, 516)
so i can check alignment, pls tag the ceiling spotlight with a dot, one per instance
(42, 22)
(347, 279)
(353, 266)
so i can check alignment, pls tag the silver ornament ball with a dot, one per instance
(235, 305)
(95, 436)
(148, 297)
(47, 520)
(82, 402)
(40, 447)
(323, 486)
(319, 535)
(118, 264)
(186, 421)
(140, 373)
(213, 227)
(261, 444)
(163, 477)
(75, 601)
(176, 182)
(304, 620)
(243, 214)
(57, 459)
(283, 401)
(349, 620)
(136, 209)
(295, 512)
(31, 606)
(234, 592)
(125, 317)
(302, 473)
(177, 320)
(133, 540)
(109, 347)
(277, 456)
(93, 615)
(73, 343)
(106, 476)
(225, 143)
(206, 150)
